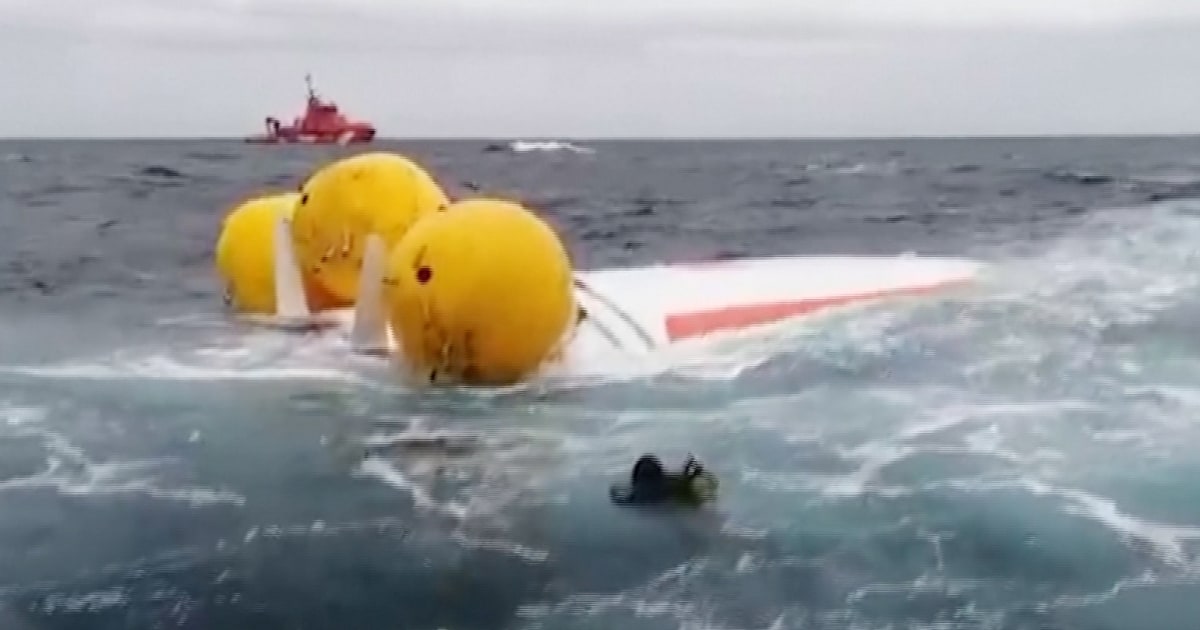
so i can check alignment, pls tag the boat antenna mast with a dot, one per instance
(312, 93)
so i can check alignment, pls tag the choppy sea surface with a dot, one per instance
(1020, 455)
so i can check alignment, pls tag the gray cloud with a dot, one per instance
(623, 67)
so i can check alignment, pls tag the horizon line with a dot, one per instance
(631, 138)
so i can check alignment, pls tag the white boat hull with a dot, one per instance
(637, 311)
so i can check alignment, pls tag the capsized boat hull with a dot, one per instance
(672, 303)
(636, 311)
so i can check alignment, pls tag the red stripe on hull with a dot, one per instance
(698, 323)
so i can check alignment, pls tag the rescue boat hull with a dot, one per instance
(344, 138)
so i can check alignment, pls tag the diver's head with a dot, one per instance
(647, 470)
(649, 483)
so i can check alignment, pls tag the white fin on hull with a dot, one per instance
(369, 334)
(291, 300)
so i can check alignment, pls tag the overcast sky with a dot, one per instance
(604, 67)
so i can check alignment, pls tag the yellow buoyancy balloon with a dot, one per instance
(245, 255)
(480, 294)
(344, 202)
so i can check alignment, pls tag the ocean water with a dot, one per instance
(1021, 455)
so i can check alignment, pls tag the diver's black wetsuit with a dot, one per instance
(650, 483)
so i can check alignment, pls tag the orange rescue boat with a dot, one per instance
(321, 123)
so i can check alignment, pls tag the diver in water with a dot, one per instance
(649, 483)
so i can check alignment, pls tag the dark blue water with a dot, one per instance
(1018, 456)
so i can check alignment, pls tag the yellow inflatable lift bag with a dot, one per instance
(341, 203)
(479, 294)
(245, 256)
